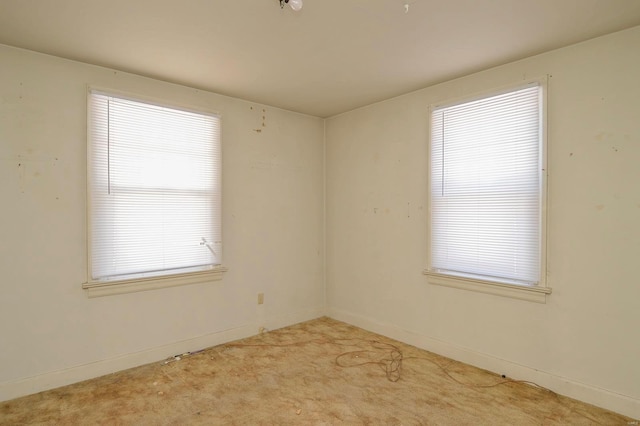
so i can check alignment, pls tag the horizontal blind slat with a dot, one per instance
(154, 188)
(485, 186)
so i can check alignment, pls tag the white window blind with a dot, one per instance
(154, 187)
(486, 183)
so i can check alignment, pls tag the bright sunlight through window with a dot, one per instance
(486, 187)
(154, 189)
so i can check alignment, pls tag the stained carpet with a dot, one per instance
(321, 372)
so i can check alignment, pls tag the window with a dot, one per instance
(487, 192)
(154, 194)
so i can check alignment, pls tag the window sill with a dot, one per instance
(530, 293)
(108, 288)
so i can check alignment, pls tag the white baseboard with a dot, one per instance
(618, 403)
(27, 386)
(274, 322)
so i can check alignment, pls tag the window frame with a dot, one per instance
(97, 288)
(533, 293)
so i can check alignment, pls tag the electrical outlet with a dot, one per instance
(260, 298)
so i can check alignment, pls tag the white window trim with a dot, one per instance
(533, 293)
(108, 288)
(113, 287)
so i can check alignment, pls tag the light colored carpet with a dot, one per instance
(321, 372)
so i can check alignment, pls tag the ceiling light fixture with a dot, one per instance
(295, 4)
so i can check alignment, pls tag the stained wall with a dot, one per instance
(582, 342)
(51, 333)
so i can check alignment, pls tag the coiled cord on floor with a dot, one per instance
(390, 359)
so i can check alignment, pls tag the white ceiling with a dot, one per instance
(333, 56)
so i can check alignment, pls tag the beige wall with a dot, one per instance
(50, 332)
(584, 340)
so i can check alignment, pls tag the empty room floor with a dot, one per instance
(322, 372)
